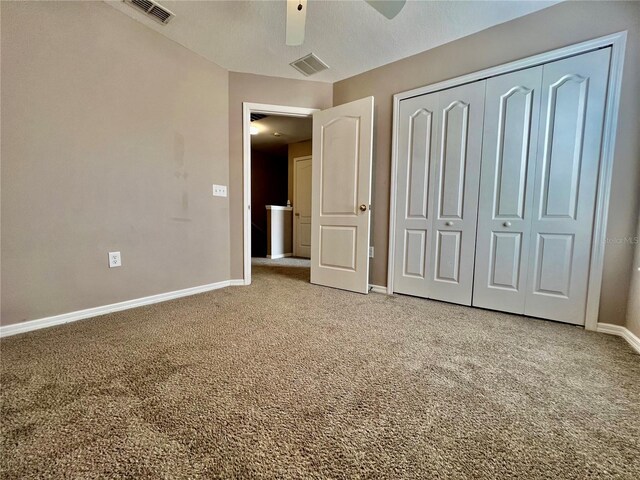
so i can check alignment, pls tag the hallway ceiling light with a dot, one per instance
(253, 130)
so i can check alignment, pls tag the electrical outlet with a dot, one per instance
(219, 190)
(114, 259)
(370, 252)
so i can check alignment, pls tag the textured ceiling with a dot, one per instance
(349, 35)
(291, 130)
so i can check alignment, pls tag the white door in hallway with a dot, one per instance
(302, 167)
(341, 195)
(574, 94)
(511, 114)
(439, 154)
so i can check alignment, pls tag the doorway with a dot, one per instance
(274, 137)
(342, 151)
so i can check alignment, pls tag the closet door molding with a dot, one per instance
(617, 42)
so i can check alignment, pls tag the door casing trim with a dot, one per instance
(247, 109)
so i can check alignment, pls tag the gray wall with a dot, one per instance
(111, 138)
(246, 87)
(560, 25)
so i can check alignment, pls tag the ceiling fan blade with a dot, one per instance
(388, 8)
(295, 21)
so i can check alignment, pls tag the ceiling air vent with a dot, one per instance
(152, 9)
(309, 65)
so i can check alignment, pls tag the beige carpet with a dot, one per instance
(284, 379)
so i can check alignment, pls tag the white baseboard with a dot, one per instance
(237, 283)
(280, 255)
(377, 289)
(620, 331)
(31, 325)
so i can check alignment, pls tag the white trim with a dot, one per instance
(237, 282)
(620, 331)
(279, 255)
(293, 239)
(31, 325)
(392, 193)
(617, 42)
(377, 289)
(247, 109)
(278, 207)
(601, 215)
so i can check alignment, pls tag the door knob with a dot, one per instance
(507, 224)
(449, 223)
(363, 208)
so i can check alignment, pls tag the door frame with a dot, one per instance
(305, 157)
(617, 42)
(247, 109)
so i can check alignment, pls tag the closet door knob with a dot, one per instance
(363, 208)
(449, 223)
(507, 224)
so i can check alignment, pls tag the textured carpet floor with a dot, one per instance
(284, 379)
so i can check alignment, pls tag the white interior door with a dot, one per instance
(341, 195)
(573, 101)
(302, 167)
(454, 192)
(417, 146)
(438, 174)
(512, 111)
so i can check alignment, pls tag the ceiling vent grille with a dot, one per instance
(309, 65)
(257, 116)
(152, 9)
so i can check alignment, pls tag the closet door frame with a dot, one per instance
(617, 42)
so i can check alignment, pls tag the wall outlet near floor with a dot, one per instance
(370, 252)
(219, 190)
(114, 259)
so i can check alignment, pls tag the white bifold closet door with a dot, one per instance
(538, 188)
(512, 111)
(439, 151)
(574, 92)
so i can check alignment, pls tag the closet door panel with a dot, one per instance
(416, 146)
(506, 259)
(455, 131)
(573, 103)
(455, 192)
(512, 110)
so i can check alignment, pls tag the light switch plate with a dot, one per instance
(114, 259)
(219, 190)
